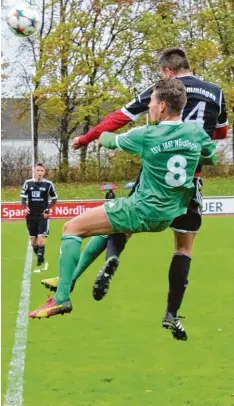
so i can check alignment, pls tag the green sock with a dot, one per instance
(92, 250)
(69, 258)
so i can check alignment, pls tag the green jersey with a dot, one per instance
(170, 152)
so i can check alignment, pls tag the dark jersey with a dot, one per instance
(38, 194)
(205, 103)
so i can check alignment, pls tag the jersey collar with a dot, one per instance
(171, 122)
(184, 76)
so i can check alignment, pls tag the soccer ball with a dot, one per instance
(23, 21)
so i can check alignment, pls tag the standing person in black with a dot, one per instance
(110, 194)
(38, 191)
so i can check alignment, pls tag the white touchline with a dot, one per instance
(14, 394)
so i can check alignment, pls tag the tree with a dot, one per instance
(89, 57)
(85, 58)
(220, 29)
(4, 76)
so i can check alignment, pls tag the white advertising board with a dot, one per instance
(218, 205)
(68, 209)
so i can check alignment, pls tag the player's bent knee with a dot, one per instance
(68, 228)
(41, 240)
(33, 241)
(72, 227)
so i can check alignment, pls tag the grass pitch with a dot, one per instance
(67, 191)
(114, 352)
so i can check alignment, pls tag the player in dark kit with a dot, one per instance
(38, 191)
(205, 104)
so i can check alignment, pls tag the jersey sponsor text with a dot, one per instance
(174, 144)
(204, 92)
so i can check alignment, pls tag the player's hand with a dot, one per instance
(26, 211)
(76, 143)
(45, 215)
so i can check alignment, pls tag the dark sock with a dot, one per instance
(178, 281)
(40, 254)
(115, 245)
(35, 249)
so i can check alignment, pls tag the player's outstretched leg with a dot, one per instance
(69, 257)
(174, 324)
(85, 225)
(93, 249)
(51, 283)
(178, 281)
(51, 308)
(102, 282)
(115, 246)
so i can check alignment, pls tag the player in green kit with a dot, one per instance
(170, 152)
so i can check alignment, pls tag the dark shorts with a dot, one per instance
(191, 221)
(37, 226)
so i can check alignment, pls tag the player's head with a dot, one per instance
(39, 171)
(173, 62)
(168, 100)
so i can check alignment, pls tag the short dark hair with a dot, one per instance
(40, 164)
(174, 59)
(173, 93)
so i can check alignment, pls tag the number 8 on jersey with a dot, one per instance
(177, 174)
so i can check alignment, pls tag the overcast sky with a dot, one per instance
(9, 41)
(10, 44)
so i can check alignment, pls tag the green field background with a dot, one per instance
(114, 352)
(212, 187)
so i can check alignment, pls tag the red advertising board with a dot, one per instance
(62, 209)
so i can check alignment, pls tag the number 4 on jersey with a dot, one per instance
(197, 112)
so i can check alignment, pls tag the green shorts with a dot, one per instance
(123, 217)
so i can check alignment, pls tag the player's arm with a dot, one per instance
(108, 140)
(208, 156)
(54, 198)
(131, 141)
(53, 195)
(112, 122)
(24, 195)
(24, 202)
(221, 129)
(118, 119)
(52, 203)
